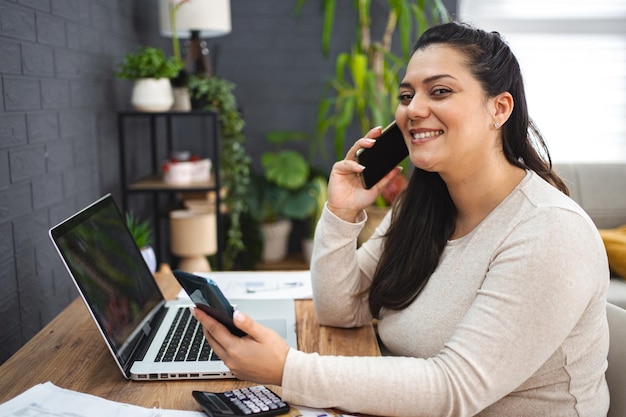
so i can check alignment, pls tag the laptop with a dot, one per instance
(141, 329)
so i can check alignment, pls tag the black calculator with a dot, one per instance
(253, 401)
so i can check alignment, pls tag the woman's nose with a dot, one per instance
(417, 108)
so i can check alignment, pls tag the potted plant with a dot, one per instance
(217, 95)
(141, 230)
(281, 193)
(151, 72)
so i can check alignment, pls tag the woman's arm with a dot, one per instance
(540, 309)
(340, 277)
(340, 282)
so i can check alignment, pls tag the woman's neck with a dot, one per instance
(480, 192)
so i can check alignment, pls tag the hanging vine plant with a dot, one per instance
(216, 94)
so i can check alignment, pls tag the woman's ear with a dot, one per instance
(502, 108)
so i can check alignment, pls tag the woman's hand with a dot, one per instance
(346, 195)
(258, 357)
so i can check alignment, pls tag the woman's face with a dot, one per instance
(447, 121)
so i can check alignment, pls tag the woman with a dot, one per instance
(489, 283)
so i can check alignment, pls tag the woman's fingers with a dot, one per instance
(260, 356)
(214, 331)
(365, 142)
(380, 185)
(346, 195)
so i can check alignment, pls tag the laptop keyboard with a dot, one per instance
(185, 341)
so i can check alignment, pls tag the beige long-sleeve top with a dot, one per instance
(511, 323)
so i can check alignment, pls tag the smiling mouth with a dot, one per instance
(424, 135)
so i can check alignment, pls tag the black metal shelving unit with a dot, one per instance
(153, 184)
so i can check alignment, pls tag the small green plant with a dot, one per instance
(148, 62)
(141, 230)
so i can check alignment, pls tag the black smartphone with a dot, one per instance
(208, 297)
(388, 151)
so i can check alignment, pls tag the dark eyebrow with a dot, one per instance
(437, 77)
(428, 80)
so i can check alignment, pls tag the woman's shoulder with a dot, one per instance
(540, 209)
(542, 195)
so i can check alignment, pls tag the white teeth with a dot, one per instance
(425, 135)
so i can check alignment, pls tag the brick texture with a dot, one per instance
(56, 82)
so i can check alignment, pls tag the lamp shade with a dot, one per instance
(210, 17)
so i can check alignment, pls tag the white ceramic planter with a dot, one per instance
(150, 257)
(275, 240)
(152, 95)
(182, 100)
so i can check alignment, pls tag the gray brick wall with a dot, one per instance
(56, 86)
(58, 124)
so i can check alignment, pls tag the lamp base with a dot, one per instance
(197, 58)
(193, 236)
(195, 264)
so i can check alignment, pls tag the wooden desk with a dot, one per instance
(71, 354)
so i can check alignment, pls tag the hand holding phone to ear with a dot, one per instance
(347, 193)
(388, 151)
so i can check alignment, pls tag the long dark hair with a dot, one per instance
(424, 216)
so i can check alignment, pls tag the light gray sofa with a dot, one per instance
(600, 190)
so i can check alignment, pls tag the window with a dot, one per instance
(573, 59)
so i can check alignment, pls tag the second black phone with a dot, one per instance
(208, 297)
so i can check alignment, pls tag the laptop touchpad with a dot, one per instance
(278, 325)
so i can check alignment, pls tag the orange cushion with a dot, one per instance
(615, 244)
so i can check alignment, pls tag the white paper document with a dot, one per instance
(48, 400)
(259, 285)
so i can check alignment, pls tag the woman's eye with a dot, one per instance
(440, 91)
(405, 98)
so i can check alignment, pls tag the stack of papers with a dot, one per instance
(48, 400)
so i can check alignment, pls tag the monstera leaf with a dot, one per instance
(287, 169)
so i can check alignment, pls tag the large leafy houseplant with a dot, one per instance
(284, 189)
(216, 94)
(287, 189)
(363, 89)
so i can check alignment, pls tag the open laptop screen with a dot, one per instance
(107, 266)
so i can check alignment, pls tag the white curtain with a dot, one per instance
(573, 59)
